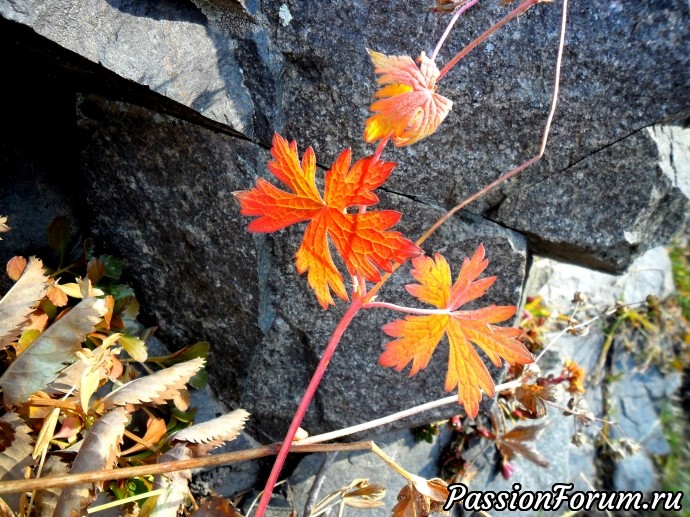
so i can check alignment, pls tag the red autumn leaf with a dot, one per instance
(361, 239)
(418, 336)
(408, 108)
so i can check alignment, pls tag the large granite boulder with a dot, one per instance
(160, 190)
(598, 198)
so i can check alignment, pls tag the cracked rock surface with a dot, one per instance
(160, 190)
(599, 198)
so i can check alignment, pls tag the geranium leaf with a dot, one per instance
(363, 240)
(408, 108)
(418, 336)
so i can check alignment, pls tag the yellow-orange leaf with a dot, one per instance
(418, 336)
(408, 108)
(363, 240)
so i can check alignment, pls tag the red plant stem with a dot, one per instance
(345, 321)
(526, 4)
(504, 177)
(454, 19)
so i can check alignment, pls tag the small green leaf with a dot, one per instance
(28, 337)
(186, 417)
(199, 380)
(60, 235)
(200, 349)
(47, 306)
(113, 267)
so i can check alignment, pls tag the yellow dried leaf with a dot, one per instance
(135, 347)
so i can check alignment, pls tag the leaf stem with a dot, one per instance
(526, 4)
(347, 318)
(402, 308)
(506, 176)
(454, 19)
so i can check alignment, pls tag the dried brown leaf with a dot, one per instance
(216, 431)
(217, 507)
(5, 510)
(365, 496)
(3, 224)
(46, 500)
(358, 494)
(41, 362)
(175, 483)
(17, 455)
(99, 450)
(157, 388)
(421, 498)
(15, 267)
(155, 430)
(520, 441)
(17, 304)
(532, 397)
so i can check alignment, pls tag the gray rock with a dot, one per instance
(607, 188)
(557, 282)
(612, 204)
(228, 480)
(420, 458)
(638, 397)
(636, 393)
(166, 46)
(160, 191)
(636, 473)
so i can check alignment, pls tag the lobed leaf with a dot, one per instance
(222, 429)
(519, 441)
(156, 388)
(363, 240)
(41, 362)
(18, 303)
(408, 108)
(418, 336)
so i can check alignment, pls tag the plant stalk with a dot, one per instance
(506, 176)
(347, 318)
(526, 4)
(454, 19)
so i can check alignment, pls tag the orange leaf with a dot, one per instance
(409, 108)
(361, 239)
(418, 336)
(15, 267)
